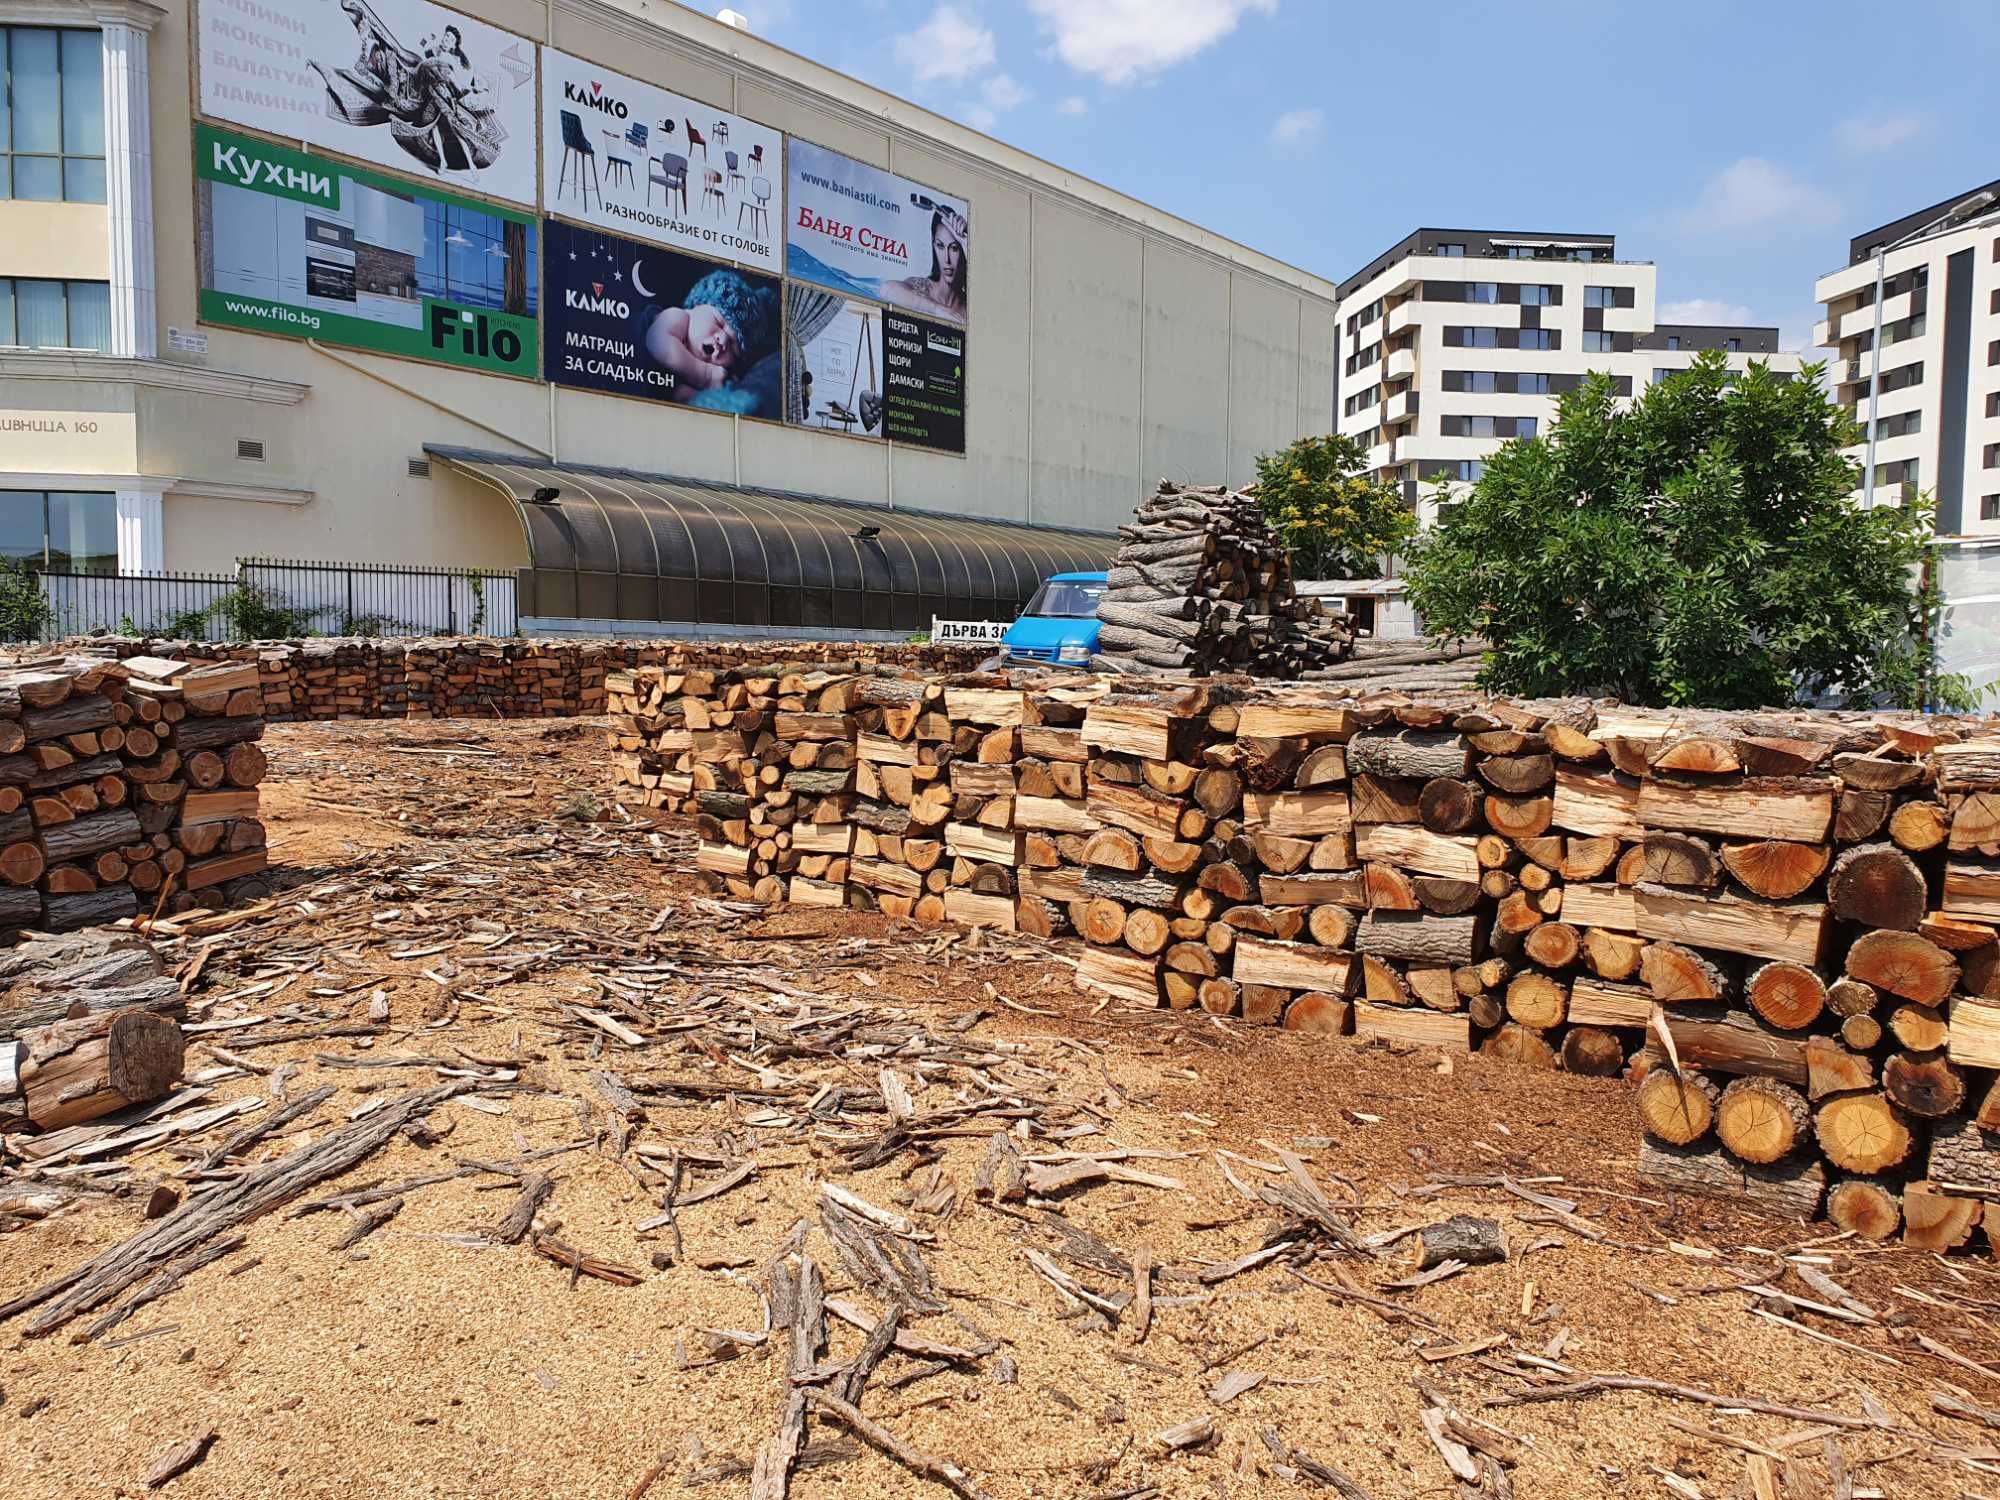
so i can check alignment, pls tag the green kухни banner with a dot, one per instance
(303, 247)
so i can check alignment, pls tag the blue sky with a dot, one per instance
(1738, 145)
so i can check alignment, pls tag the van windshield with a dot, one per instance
(1065, 599)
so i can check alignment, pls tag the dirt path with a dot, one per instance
(452, 868)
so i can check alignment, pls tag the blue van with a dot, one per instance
(1059, 626)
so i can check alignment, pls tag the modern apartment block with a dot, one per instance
(1455, 340)
(1937, 403)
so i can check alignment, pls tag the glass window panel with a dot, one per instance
(6, 131)
(83, 93)
(89, 315)
(6, 162)
(83, 531)
(38, 314)
(21, 516)
(33, 70)
(7, 311)
(38, 178)
(83, 179)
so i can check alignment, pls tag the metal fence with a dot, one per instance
(274, 598)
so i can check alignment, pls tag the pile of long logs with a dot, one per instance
(1203, 585)
(88, 1025)
(478, 678)
(126, 786)
(1779, 928)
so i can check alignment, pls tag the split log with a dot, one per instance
(1592, 1052)
(1832, 1069)
(1760, 1120)
(1521, 1045)
(1612, 955)
(1740, 1046)
(1776, 869)
(1929, 1087)
(1553, 945)
(1789, 996)
(1870, 1210)
(1904, 964)
(1678, 859)
(1675, 974)
(1518, 817)
(1936, 1221)
(1677, 1108)
(1537, 1000)
(1790, 1190)
(1448, 805)
(1877, 885)
(1464, 1238)
(1862, 1133)
(1414, 754)
(1427, 939)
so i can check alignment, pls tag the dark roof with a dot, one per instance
(1756, 340)
(1477, 242)
(619, 544)
(1863, 245)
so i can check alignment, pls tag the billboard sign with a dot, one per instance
(302, 246)
(402, 83)
(629, 157)
(833, 375)
(924, 382)
(863, 232)
(640, 320)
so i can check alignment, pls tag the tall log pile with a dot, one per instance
(1202, 585)
(125, 786)
(1801, 906)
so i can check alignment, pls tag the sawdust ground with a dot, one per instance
(418, 1365)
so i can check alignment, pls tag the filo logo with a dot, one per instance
(460, 332)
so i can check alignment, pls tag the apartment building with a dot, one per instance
(1454, 341)
(1936, 403)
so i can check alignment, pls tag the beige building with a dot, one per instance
(180, 175)
(1454, 341)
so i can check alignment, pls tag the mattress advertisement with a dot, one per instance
(923, 381)
(833, 363)
(635, 159)
(303, 247)
(401, 83)
(858, 230)
(640, 320)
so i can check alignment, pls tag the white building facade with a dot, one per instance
(1454, 341)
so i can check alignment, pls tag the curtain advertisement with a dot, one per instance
(640, 320)
(401, 83)
(858, 230)
(305, 247)
(924, 380)
(632, 158)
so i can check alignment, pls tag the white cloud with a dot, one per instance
(1705, 310)
(1073, 106)
(951, 44)
(1001, 92)
(1753, 193)
(1865, 134)
(1121, 41)
(979, 117)
(1295, 127)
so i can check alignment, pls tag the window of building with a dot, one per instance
(52, 114)
(1537, 295)
(1992, 460)
(1901, 425)
(1993, 403)
(1480, 382)
(1474, 338)
(1734, 346)
(55, 314)
(1586, 253)
(1989, 507)
(1993, 353)
(1476, 427)
(1520, 252)
(65, 530)
(1662, 374)
(1539, 338)
(1458, 250)
(1600, 296)
(1471, 470)
(1482, 291)
(1531, 385)
(1673, 341)
(1597, 341)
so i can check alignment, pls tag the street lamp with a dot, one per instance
(1953, 218)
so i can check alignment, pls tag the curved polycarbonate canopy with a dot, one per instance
(616, 544)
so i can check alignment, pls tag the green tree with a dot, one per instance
(1698, 546)
(24, 609)
(1332, 520)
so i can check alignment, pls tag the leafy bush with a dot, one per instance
(24, 610)
(1334, 522)
(249, 613)
(1696, 547)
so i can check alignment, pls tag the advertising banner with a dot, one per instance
(924, 382)
(401, 83)
(639, 320)
(833, 366)
(868, 233)
(299, 245)
(630, 157)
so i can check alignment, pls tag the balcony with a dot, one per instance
(1401, 365)
(1403, 317)
(1381, 456)
(1862, 319)
(1400, 408)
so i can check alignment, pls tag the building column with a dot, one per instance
(141, 538)
(128, 183)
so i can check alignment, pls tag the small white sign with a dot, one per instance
(967, 632)
(186, 341)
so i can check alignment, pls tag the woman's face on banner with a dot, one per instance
(713, 337)
(950, 255)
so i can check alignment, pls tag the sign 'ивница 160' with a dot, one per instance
(302, 246)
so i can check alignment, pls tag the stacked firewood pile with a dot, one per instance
(125, 786)
(476, 678)
(1781, 928)
(1202, 585)
(88, 1025)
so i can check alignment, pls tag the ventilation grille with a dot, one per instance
(420, 468)
(250, 450)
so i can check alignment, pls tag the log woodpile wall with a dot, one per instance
(480, 678)
(1202, 584)
(126, 787)
(1779, 929)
